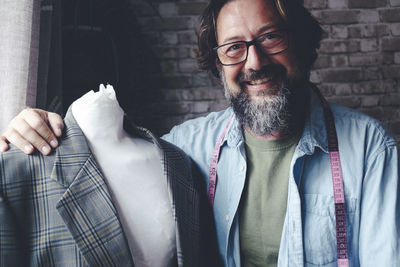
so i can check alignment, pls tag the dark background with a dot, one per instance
(146, 49)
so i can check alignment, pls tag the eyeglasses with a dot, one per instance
(269, 43)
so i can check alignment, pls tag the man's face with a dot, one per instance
(261, 78)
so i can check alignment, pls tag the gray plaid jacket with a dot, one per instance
(57, 210)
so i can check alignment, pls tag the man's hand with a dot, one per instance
(30, 128)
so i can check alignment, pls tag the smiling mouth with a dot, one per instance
(259, 81)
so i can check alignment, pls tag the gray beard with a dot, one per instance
(266, 117)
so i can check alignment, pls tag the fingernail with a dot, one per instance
(28, 148)
(45, 149)
(54, 143)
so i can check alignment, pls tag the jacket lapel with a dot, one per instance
(86, 206)
(183, 196)
(185, 202)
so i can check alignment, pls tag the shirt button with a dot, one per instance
(227, 217)
(242, 168)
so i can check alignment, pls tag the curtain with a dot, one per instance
(19, 51)
(30, 57)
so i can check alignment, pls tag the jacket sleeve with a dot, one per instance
(379, 239)
(12, 241)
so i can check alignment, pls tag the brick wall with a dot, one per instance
(358, 64)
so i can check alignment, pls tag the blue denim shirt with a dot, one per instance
(369, 160)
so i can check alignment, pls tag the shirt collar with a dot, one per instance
(314, 132)
(234, 135)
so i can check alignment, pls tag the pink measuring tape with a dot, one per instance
(212, 175)
(337, 179)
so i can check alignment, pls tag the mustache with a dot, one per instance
(271, 70)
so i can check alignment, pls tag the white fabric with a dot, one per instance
(19, 51)
(133, 173)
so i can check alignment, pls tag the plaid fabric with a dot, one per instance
(57, 211)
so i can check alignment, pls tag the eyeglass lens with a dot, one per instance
(236, 52)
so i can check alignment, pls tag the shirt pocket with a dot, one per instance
(319, 228)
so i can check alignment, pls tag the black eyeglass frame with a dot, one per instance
(250, 43)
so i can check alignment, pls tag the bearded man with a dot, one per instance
(274, 165)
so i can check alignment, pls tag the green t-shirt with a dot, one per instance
(264, 199)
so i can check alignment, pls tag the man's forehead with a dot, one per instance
(240, 18)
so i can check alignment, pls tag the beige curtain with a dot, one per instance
(19, 50)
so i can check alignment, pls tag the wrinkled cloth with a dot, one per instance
(133, 172)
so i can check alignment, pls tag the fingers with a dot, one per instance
(18, 140)
(30, 129)
(56, 123)
(3, 144)
(32, 125)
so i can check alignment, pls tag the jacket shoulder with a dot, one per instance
(19, 168)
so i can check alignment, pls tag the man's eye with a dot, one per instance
(235, 47)
(270, 36)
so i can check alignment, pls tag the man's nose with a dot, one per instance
(256, 58)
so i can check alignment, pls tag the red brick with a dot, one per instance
(203, 93)
(395, 2)
(372, 87)
(342, 46)
(337, 4)
(188, 65)
(337, 89)
(370, 59)
(340, 60)
(369, 101)
(187, 37)
(391, 44)
(315, 76)
(366, 3)
(368, 15)
(395, 29)
(372, 73)
(315, 4)
(338, 16)
(391, 100)
(368, 30)
(322, 62)
(397, 58)
(390, 15)
(339, 31)
(391, 72)
(219, 105)
(368, 45)
(340, 75)
(201, 79)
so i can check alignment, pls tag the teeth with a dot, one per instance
(259, 81)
